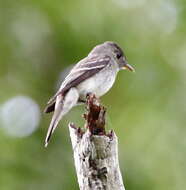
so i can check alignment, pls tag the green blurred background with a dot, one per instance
(147, 109)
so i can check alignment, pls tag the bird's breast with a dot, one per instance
(99, 84)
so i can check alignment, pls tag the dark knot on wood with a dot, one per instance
(95, 116)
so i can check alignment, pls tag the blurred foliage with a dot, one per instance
(38, 39)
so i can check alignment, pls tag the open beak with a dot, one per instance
(129, 67)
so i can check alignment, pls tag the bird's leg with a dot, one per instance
(90, 94)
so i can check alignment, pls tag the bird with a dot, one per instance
(95, 74)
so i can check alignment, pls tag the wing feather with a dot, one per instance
(82, 71)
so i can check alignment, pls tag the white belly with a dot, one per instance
(99, 84)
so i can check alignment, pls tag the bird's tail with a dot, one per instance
(62, 106)
(57, 116)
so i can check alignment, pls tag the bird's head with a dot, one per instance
(118, 54)
(112, 49)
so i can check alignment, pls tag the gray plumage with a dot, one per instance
(94, 74)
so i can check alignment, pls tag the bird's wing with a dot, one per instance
(82, 71)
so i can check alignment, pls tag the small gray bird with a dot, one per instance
(94, 74)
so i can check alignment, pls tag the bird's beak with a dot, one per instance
(129, 67)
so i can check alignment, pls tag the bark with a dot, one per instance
(95, 151)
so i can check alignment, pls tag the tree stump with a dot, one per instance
(95, 151)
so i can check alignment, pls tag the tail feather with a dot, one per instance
(62, 106)
(55, 120)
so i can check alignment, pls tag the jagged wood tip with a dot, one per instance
(95, 116)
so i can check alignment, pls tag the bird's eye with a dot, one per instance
(118, 55)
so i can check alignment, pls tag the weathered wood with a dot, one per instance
(95, 152)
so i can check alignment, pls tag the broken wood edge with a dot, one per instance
(96, 160)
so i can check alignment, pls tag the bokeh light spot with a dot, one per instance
(163, 15)
(63, 75)
(30, 28)
(129, 3)
(20, 116)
